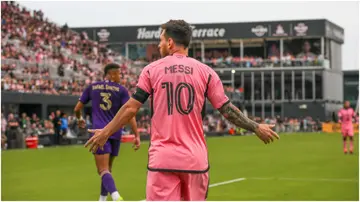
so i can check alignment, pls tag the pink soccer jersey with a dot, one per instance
(346, 117)
(178, 86)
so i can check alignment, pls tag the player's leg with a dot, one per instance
(102, 159)
(104, 192)
(344, 144)
(115, 148)
(163, 186)
(194, 186)
(351, 140)
(344, 137)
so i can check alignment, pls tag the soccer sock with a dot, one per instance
(102, 198)
(344, 141)
(103, 193)
(351, 145)
(109, 184)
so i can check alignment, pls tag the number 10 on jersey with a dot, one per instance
(168, 86)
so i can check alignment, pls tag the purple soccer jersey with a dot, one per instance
(107, 98)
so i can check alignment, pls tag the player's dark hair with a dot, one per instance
(179, 30)
(109, 67)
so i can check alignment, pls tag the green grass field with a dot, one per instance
(298, 167)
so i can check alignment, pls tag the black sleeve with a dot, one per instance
(140, 95)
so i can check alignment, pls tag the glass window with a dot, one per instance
(272, 49)
(267, 86)
(298, 86)
(267, 111)
(257, 85)
(277, 85)
(277, 110)
(351, 88)
(248, 110)
(302, 52)
(318, 85)
(258, 110)
(288, 86)
(247, 86)
(308, 85)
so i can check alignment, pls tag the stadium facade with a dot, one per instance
(295, 88)
(288, 89)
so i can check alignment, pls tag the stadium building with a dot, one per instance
(277, 68)
(351, 87)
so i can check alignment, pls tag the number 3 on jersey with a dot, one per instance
(106, 100)
(170, 97)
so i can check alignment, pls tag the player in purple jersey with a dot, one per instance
(107, 98)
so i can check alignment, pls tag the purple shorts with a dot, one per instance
(112, 147)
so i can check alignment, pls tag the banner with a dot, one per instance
(216, 31)
(336, 128)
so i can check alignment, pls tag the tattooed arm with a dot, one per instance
(235, 116)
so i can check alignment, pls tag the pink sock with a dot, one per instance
(344, 141)
(351, 146)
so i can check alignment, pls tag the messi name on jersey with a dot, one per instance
(179, 69)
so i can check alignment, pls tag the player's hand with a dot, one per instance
(98, 140)
(81, 123)
(265, 133)
(137, 142)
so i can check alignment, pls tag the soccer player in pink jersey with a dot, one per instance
(178, 87)
(346, 116)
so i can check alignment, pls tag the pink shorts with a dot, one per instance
(176, 186)
(348, 131)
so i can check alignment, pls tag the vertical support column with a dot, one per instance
(252, 86)
(303, 84)
(292, 85)
(282, 86)
(241, 49)
(313, 86)
(323, 46)
(44, 112)
(281, 51)
(253, 109)
(127, 51)
(233, 78)
(272, 85)
(242, 80)
(262, 87)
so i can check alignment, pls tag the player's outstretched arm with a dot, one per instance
(235, 116)
(122, 117)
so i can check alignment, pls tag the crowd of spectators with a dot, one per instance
(42, 57)
(36, 51)
(217, 123)
(224, 59)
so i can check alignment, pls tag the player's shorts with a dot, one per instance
(347, 131)
(176, 186)
(112, 147)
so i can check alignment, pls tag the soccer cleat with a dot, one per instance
(345, 151)
(120, 199)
